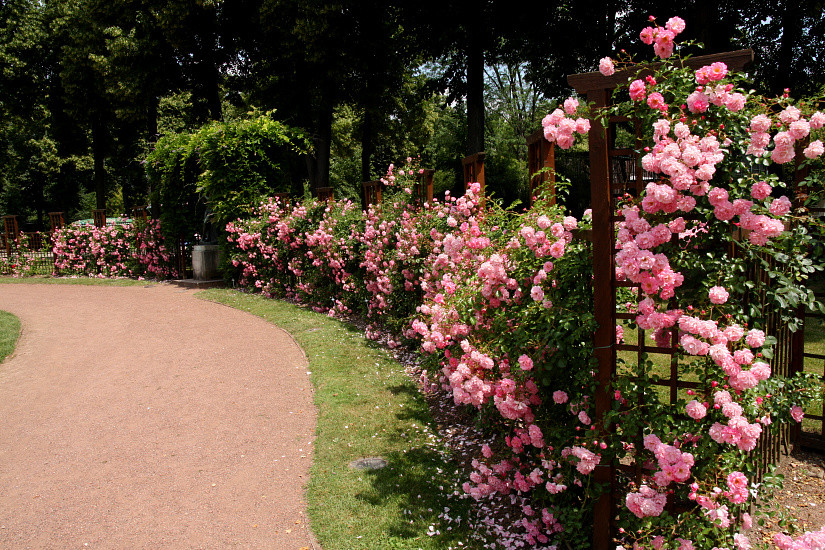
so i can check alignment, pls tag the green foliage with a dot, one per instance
(226, 167)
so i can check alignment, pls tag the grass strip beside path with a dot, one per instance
(88, 281)
(368, 407)
(9, 333)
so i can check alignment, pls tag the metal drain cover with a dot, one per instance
(368, 463)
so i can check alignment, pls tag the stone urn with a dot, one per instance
(205, 261)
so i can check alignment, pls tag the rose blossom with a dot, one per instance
(814, 150)
(761, 190)
(718, 295)
(637, 90)
(606, 66)
(780, 206)
(696, 410)
(755, 338)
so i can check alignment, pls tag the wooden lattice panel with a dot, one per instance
(56, 220)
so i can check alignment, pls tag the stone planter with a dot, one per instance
(205, 261)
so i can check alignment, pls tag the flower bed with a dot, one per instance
(128, 250)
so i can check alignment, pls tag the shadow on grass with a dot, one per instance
(408, 481)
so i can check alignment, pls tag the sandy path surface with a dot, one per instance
(136, 417)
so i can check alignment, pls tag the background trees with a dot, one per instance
(88, 86)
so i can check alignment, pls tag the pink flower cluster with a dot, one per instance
(791, 127)
(646, 502)
(128, 250)
(808, 541)
(737, 431)
(662, 39)
(560, 126)
(674, 465)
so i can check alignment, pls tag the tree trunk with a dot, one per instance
(791, 31)
(151, 138)
(318, 160)
(324, 144)
(366, 140)
(475, 88)
(99, 152)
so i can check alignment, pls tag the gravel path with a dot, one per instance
(136, 417)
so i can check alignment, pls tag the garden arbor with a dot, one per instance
(615, 170)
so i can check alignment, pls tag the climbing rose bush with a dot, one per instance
(709, 212)
(501, 304)
(128, 250)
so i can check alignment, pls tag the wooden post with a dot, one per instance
(99, 217)
(604, 308)
(371, 192)
(140, 213)
(325, 194)
(423, 190)
(541, 154)
(283, 199)
(10, 231)
(56, 220)
(474, 171)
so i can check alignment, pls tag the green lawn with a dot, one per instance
(368, 406)
(9, 332)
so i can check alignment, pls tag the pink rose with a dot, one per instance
(606, 66)
(755, 338)
(698, 102)
(525, 362)
(814, 150)
(718, 295)
(780, 206)
(656, 101)
(570, 105)
(799, 129)
(761, 190)
(637, 90)
(797, 413)
(696, 410)
(675, 24)
(760, 123)
(559, 397)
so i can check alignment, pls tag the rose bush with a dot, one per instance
(502, 305)
(129, 250)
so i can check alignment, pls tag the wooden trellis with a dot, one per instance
(325, 194)
(813, 436)
(99, 217)
(372, 192)
(615, 170)
(474, 171)
(56, 221)
(11, 233)
(541, 155)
